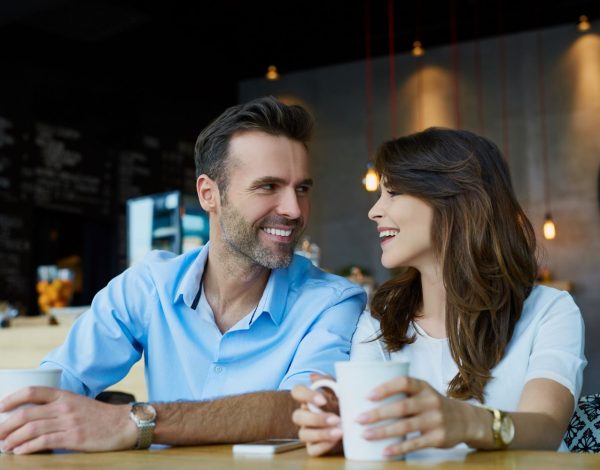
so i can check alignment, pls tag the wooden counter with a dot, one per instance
(221, 458)
(25, 343)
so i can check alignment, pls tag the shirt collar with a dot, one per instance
(271, 302)
(189, 287)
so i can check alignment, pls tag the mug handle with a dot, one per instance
(323, 383)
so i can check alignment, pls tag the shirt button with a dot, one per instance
(218, 369)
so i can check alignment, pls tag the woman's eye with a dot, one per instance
(393, 193)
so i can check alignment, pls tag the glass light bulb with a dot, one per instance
(371, 180)
(549, 229)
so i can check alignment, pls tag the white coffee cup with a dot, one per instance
(355, 380)
(12, 380)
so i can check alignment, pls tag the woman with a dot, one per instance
(463, 311)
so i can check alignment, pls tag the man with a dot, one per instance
(229, 328)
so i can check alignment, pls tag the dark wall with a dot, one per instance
(73, 148)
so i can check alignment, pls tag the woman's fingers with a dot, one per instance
(316, 435)
(424, 441)
(303, 417)
(404, 384)
(427, 399)
(303, 394)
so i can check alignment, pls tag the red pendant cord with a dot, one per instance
(392, 68)
(455, 61)
(477, 54)
(503, 84)
(368, 79)
(543, 130)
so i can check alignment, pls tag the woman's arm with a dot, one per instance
(540, 422)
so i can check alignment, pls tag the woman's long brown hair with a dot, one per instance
(483, 239)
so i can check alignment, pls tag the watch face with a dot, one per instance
(144, 412)
(507, 430)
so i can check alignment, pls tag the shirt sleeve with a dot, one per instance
(365, 345)
(558, 348)
(327, 341)
(107, 339)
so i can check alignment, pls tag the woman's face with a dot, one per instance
(404, 225)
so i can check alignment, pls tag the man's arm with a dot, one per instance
(240, 418)
(64, 420)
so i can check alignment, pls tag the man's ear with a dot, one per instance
(208, 193)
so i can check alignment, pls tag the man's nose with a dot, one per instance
(289, 206)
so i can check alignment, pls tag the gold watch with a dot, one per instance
(503, 428)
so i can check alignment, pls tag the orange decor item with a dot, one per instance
(54, 287)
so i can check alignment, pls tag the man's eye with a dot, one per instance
(267, 187)
(303, 189)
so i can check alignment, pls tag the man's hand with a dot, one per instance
(63, 420)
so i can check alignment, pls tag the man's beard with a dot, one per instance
(243, 238)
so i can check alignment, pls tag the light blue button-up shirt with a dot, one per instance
(304, 322)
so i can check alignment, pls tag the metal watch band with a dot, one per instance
(496, 428)
(144, 416)
(145, 433)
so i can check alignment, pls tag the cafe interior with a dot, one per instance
(101, 103)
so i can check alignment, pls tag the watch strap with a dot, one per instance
(497, 418)
(145, 427)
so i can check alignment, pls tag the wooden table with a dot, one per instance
(221, 458)
(25, 343)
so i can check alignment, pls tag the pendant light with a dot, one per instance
(549, 229)
(272, 73)
(584, 24)
(371, 178)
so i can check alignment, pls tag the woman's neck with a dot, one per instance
(432, 316)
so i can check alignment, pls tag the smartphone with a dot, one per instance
(267, 447)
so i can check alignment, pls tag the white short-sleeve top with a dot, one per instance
(547, 342)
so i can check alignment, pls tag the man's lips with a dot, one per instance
(281, 234)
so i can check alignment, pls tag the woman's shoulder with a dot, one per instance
(547, 304)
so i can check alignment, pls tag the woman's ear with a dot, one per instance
(208, 193)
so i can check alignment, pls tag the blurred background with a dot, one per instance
(101, 102)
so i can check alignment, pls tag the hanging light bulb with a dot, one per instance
(371, 179)
(584, 23)
(272, 73)
(417, 49)
(549, 228)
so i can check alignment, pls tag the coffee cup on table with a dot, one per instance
(12, 380)
(355, 380)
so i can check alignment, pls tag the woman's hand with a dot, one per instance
(321, 432)
(441, 421)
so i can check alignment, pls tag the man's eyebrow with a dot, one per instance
(275, 180)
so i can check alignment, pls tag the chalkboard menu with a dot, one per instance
(59, 168)
(10, 167)
(15, 253)
(62, 173)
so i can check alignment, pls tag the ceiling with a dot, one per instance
(195, 53)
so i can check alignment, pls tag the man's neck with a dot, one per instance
(233, 285)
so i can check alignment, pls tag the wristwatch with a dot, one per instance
(503, 428)
(144, 417)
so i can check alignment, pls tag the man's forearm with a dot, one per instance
(240, 418)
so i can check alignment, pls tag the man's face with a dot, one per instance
(266, 204)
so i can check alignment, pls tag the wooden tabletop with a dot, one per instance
(221, 458)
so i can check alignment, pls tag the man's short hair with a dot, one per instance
(265, 114)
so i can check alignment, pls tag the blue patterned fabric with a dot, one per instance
(583, 434)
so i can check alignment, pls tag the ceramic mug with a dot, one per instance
(355, 380)
(12, 380)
